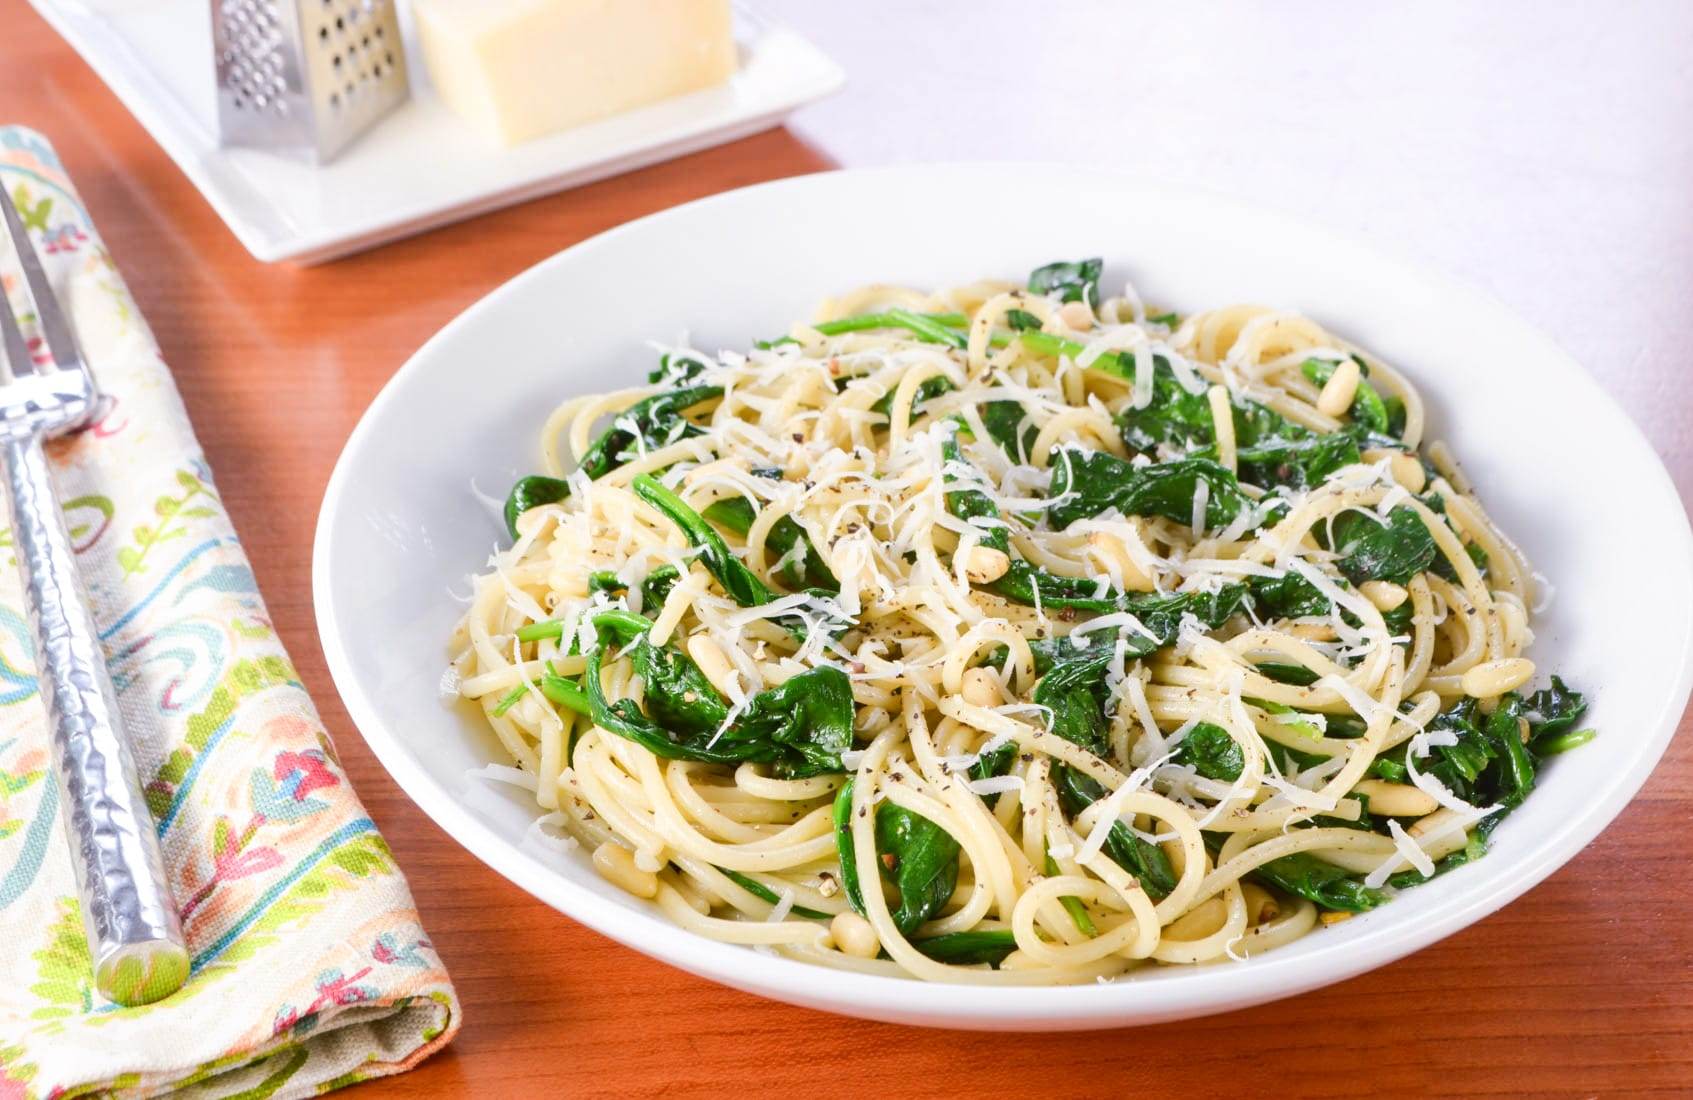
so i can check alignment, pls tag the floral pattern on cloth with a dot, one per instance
(310, 969)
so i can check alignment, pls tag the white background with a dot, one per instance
(1540, 150)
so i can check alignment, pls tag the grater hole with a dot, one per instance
(389, 57)
(335, 100)
(323, 36)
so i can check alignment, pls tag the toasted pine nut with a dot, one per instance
(1436, 820)
(1109, 549)
(1222, 422)
(1340, 389)
(1396, 799)
(709, 656)
(981, 688)
(1261, 905)
(985, 564)
(1077, 315)
(617, 866)
(1331, 916)
(1493, 678)
(1176, 854)
(1406, 470)
(1384, 594)
(1447, 841)
(855, 936)
(871, 719)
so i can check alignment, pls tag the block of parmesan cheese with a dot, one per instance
(517, 69)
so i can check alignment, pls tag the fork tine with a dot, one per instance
(16, 352)
(61, 342)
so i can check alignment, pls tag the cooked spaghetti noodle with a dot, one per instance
(1011, 635)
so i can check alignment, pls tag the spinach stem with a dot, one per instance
(564, 692)
(534, 632)
(1564, 742)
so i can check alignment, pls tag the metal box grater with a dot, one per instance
(305, 74)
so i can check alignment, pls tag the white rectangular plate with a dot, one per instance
(422, 166)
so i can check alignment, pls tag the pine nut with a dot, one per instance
(1494, 678)
(1077, 316)
(1396, 799)
(709, 656)
(1333, 916)
(1261, 905)
(855, 936)
(1404, 468)
(1437, 820)
(1176, 854)
(1340, 389)
(1408, 472)
(1439, 823)
(1384, 594)
(871, 719)
(981, 688)
(985, 564)
(617, 866)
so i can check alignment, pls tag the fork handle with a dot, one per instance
(134, 936)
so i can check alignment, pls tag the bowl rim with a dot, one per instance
(1188, 993)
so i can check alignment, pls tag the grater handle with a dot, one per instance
(134, 936)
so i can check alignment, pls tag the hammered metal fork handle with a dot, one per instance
(134, 934)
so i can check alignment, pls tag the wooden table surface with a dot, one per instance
(1583, 987)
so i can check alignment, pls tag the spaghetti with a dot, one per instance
(1007, 634)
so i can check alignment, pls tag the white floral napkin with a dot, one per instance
(310, 969)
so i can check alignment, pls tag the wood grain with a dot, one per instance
(1583, 987)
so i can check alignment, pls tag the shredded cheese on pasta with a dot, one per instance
(940, 663)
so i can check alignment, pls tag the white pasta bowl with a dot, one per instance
(402, 524)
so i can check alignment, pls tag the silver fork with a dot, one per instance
(134, 936)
